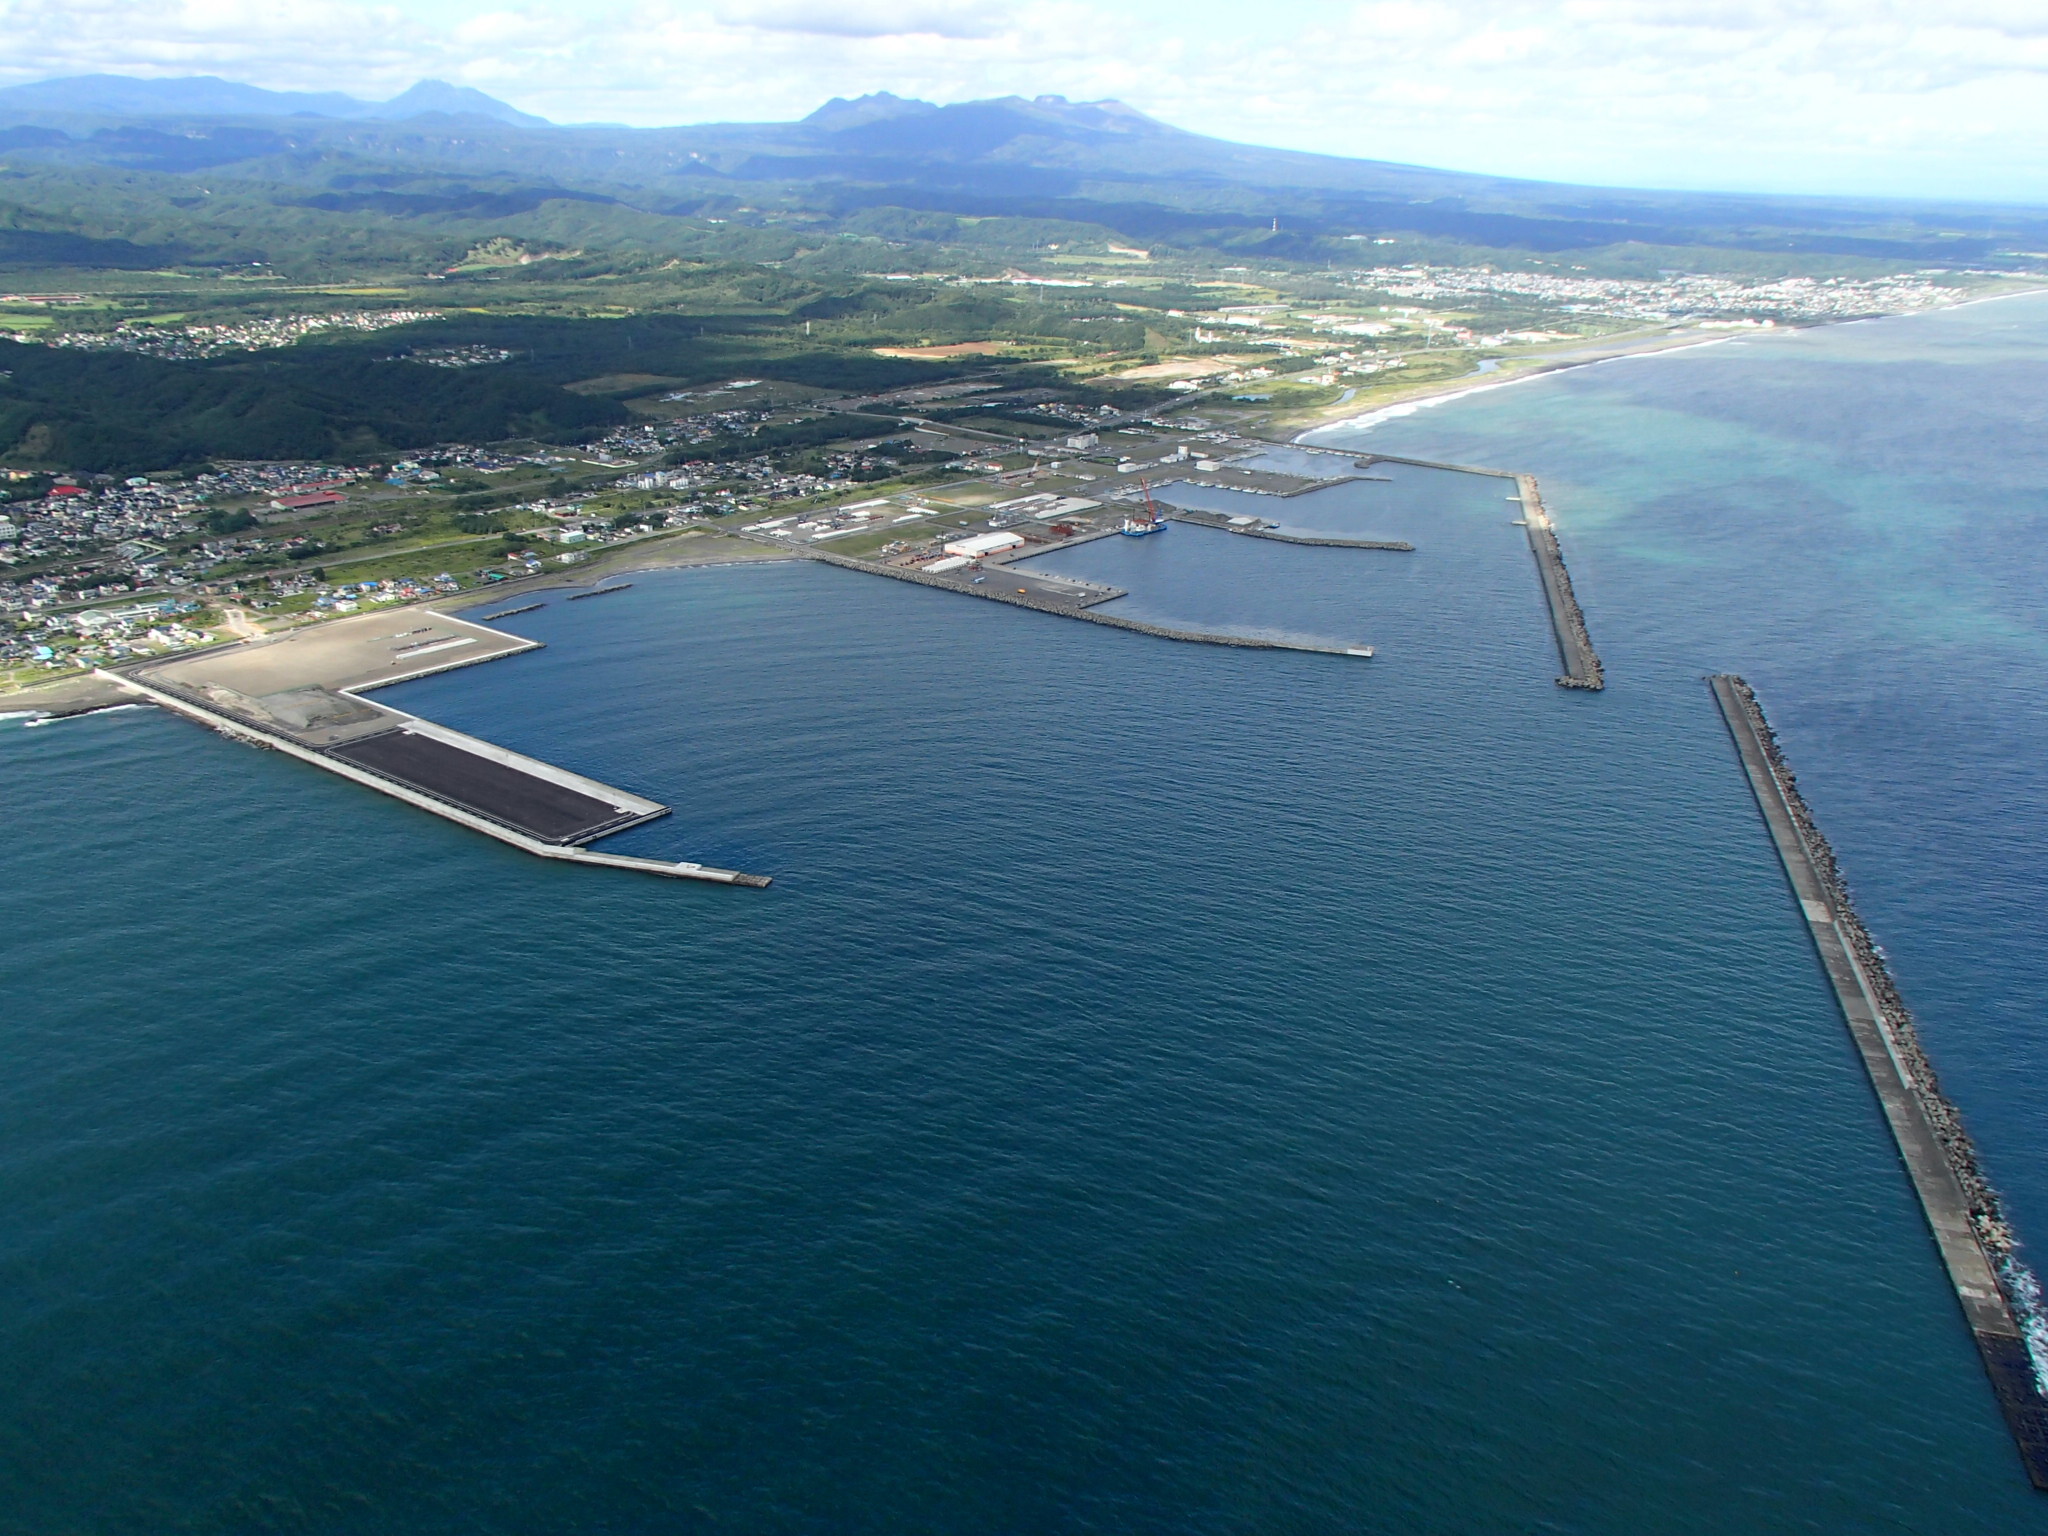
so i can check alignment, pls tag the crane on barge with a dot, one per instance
(1151, 522)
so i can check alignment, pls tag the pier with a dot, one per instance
(1223, 523)
(1963, 1210)
(994, 591)
(1582, 667)
(300, 694)
(1574, 646)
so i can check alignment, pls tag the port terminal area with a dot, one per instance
(301, 693)
(966, 536)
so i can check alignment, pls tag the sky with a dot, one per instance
(1866, 97)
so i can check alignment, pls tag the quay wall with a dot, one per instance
(1197, 519)
(1065, 611)
(1366, 460)
(1998, 1294)
(252, 735)
(1308, 489)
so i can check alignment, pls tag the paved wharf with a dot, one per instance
(1963, 1210)
(300, 694)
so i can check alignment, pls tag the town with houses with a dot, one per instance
(109, 568)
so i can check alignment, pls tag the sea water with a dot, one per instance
(1167, 1088)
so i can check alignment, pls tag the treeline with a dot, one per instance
(849, 426)
(356, 397)
(678, 349)
(119, 413)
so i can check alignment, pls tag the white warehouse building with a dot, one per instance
(984, 544)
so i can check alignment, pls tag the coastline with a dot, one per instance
(625, 562)
(84, 693)
(1427, 395)
(1329, 418)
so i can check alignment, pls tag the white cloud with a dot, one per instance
(1853, 95)
(871, 18)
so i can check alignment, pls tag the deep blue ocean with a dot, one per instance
(1168, 1089)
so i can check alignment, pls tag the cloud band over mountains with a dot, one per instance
(1809, 95)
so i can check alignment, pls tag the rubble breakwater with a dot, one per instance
(2000, 1296)
(1582, 667)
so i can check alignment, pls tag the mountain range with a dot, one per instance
(202, 96)
(447, 163)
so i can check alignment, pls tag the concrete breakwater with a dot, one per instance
(1582, 667)
(1574, 646)
(480, 759)
(1999, 1295)
(1367, 460)
(1072, 611)
(1222, 523)
(300, 693)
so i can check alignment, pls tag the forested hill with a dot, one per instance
(115, 411)
(354, 400)
(214, 173)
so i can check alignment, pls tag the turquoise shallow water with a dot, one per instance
(1167, 1088)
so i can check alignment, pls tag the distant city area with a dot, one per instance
(255, 389)
(96, 567)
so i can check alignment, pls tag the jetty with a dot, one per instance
(1036, 597)
(1574, 646)
(301, 694)
(1997, 1292)
(1582, 667)
(1256, 528)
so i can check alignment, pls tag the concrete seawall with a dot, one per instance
(185, 702)
(1069, 611)
(1197, 518)
(1582, 667)
(1995, 1289)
